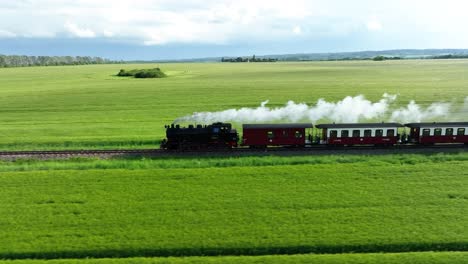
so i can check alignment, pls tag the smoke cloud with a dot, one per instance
(349, 110)
(415, 113)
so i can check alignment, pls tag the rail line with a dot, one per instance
(76, 152)
(310, 150)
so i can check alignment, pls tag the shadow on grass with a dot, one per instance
(257, 251)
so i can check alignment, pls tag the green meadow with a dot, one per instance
(73, 107)
(349, 205)
(299, 209)
(387, 258)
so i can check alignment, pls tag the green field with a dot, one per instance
(387, 258)
(89, 107)
(360, 205)
(297, 209)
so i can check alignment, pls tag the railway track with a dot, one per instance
(76, 152)
(311, 150)
(65, 154)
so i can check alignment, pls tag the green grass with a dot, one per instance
(388, 258)
(359, 206)
(255, 209)
(89, 107)
(142, 163)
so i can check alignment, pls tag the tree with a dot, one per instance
(2, 61)
(379, 58)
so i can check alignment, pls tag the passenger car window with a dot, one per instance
(426, 132)
(460, 132)
(449, 131)
(390, 132)
(356, 133)
(271, 135)
(367, 133)
(298, 134)
(438, 132)
(379, 132)
(333, 133)
(344, 133)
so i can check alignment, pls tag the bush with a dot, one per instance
(122, 72)
(144, 73)
(379, 58)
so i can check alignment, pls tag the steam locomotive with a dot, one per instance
(216, 136)
(223, 136)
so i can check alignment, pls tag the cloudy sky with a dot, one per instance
(168, 29)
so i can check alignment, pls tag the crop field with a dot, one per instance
(389, 258)
(297, 209)
(356, 204)
(89, 107)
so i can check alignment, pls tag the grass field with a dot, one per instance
(89, 107)
(316, 209)
(388, 258)
(226, 162)
(367, 205)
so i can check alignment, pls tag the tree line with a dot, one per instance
(24, 61)
(246, 59)
(382, 58)
(451, 56)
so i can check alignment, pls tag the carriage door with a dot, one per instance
(414, 134)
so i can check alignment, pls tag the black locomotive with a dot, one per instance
(215, 136)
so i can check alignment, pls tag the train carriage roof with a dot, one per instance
(360, 125)
(438, 124)
(276, 126)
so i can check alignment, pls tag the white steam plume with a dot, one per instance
(415, 113)
(349, 110)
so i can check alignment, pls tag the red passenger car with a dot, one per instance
(360, 134)
(431, 133)
(262, 135)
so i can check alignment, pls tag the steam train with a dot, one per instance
(223, 136)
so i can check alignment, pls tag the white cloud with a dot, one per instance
(297, 30)
(108, 33)
(78, 31)
(6, 34)
(374, 25)
(157, 22)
